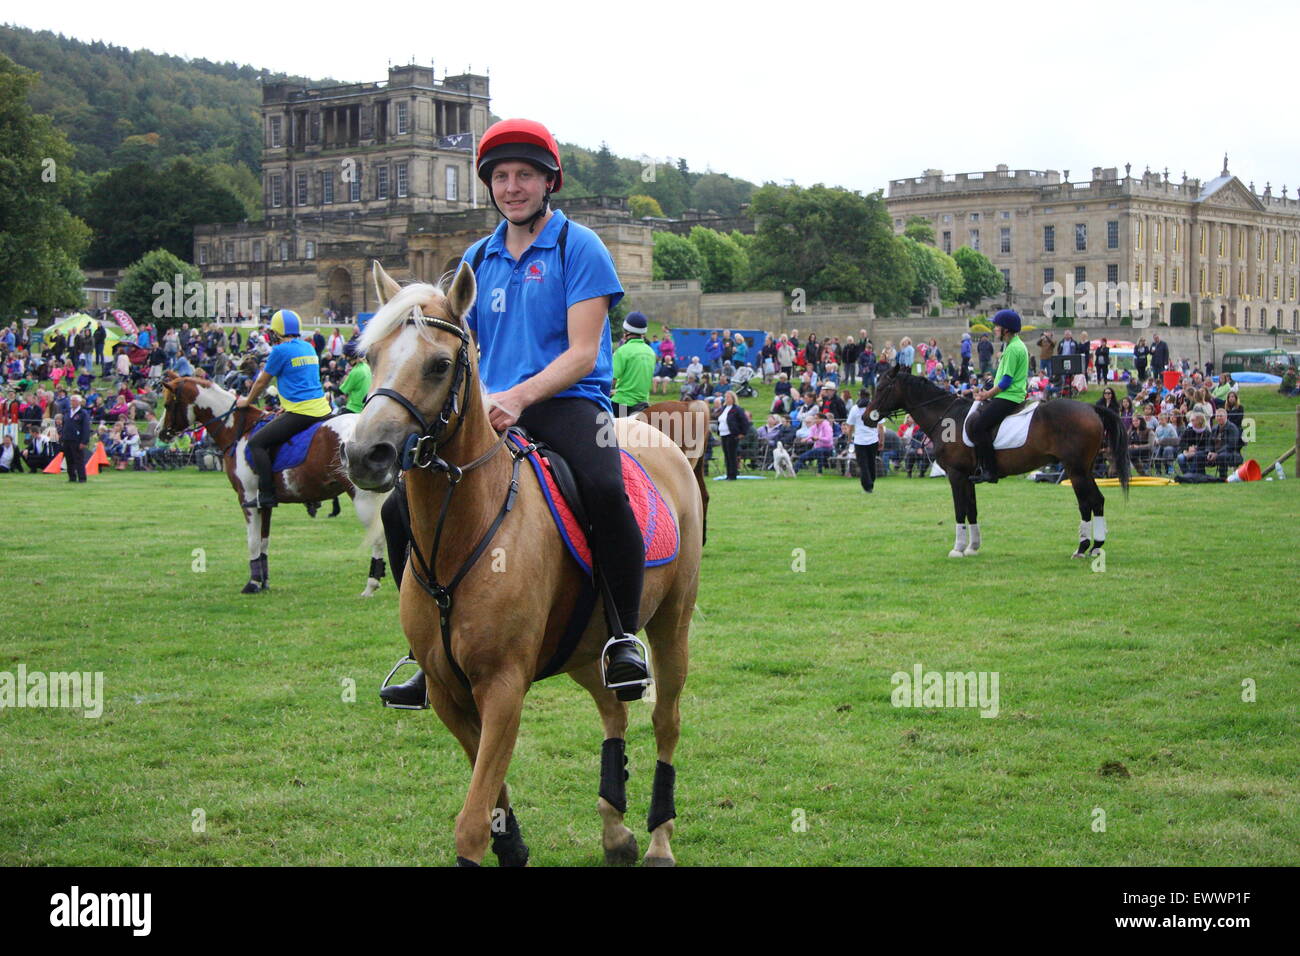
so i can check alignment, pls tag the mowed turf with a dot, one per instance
(227, 736)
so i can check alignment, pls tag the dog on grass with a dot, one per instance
(781, 462)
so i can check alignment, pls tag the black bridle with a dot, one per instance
(421, 451)
(952, 400)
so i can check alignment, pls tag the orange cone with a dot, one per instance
(56, 466)
(97, 459)
(1249, 471)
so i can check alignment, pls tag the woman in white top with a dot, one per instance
(335, 344)
(732, 426)
(866, 441)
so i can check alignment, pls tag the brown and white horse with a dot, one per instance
(506, 615)
(191, 402)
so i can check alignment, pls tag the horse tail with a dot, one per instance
(1117, 439)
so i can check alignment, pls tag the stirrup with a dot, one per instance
(408, 659)
(643, 682)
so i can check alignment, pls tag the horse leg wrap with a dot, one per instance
(462, 861)
(662, 807)
(266, 571)
(613, 773)
(509, 845)
(1098, 532)
(1085, 537)
(959, 543)
(974, 537)
(377, 568)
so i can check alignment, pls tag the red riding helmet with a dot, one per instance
(521, 139)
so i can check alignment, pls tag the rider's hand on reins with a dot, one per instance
(499, 415)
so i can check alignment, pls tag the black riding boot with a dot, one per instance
(409, 694)
(988, 466)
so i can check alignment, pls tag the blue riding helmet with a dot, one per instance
(1009, 319)
(285, 322)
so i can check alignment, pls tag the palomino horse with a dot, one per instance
(484, 637)
(1062, 430)
(687, 424)
(191, 402)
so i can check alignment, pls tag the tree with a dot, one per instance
(726, 265)
(832, 243)
(676, 257)
(643, 206)
(933, 268)
(606, 180)
(140, 290)
(669, 187)
(720, 193)
(40, 241)
(135, 209)
(919, 228)
(981, 279)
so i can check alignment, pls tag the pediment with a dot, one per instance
(1232, 194)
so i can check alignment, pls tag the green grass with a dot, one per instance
(233, 704)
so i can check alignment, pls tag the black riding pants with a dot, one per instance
(283, 427)
(866, 456)
(983, 428)
(582, 432)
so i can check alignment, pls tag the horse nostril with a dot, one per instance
(381, 455)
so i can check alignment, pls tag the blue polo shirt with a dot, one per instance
(521, 314)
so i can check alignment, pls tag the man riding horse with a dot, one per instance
(545, 288)
(1006, 395)
(294, 367)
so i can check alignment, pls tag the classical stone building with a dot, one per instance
(376, 171)
(1231, 252)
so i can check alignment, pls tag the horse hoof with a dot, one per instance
(252, 587)
(1079, 554)
(659, 861)
(623, 855)
(971, 552)
(370, 590)
(954, 553)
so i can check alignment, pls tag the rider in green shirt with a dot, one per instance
(634, 368)
(357, 385)
(1009, 390)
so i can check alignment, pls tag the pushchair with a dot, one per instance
(741, 382)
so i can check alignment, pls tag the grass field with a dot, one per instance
(1120, 690)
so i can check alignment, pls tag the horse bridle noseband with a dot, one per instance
(421, 451)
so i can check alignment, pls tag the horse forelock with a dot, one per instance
(414, 301)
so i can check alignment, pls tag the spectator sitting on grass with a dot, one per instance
(1141, 443)
(1195, 442)
(819, 434)
(1225, 442)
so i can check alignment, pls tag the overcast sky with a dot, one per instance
(815, 92)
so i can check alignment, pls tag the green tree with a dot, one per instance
(40, 241)
(832, 243)
(239, 179)
(141, 294)
(606, 179)
(720, 193)
(933, 268)
(726, 265)
(919, 228)
(135, 209)
(676, 257)
(670, 188)
(643, 206)
(979, 276)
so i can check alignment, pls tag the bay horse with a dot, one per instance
(1062, 430)
(483, 639)
(192, 402)
(687, 424)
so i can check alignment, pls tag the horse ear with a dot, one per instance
(385, 286)
(464, 289)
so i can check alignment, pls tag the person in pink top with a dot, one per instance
(819, 432)
(667, 346)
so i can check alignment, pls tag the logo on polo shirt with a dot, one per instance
(535, 272)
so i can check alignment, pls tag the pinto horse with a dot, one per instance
(1062, 430)
(193, 402)
(492, 628)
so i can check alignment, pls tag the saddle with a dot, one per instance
(291, 454)
(1013, 430)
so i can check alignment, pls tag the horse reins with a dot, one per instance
(421, 451)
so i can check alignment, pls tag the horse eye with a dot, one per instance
(439, 367)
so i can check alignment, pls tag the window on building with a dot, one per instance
(1277, 249)
(898, 224)
(1259, 285)
(974, 217)
(1241, 243)
(1112, 272)
(277, 131)
(1049, 276)
(1049, 238)
(401, 180)
(1080, 237)
(381, 182)
(1155, 279)
(1137, 274)
(1080, 276)
(1112, 234)
(311, 250)
(1276, 284)
(354, 187)
(1293, 252)
(1005, 215)
(301, 189)
(947, 241)
(315, 127)
(229, 252)
(1157, 235)
(277, 190)
(1201, 230)
(1295, 320)
(975, 239)
(1204, 285)
(1241, 283)
(947, 219)
(402, 109)
(453, 184)
(1178, 241)
(284, 249)
(1247, 317)
(1006, 278)
(203, 255)
(1290, 288)
(1259, 247)
(1140, 229)
(257, 250)
(1218, 283)
(1004, 240)
(1173, 280)
(327, 187)
(1220, 243)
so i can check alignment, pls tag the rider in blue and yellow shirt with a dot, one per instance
(294, 368)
